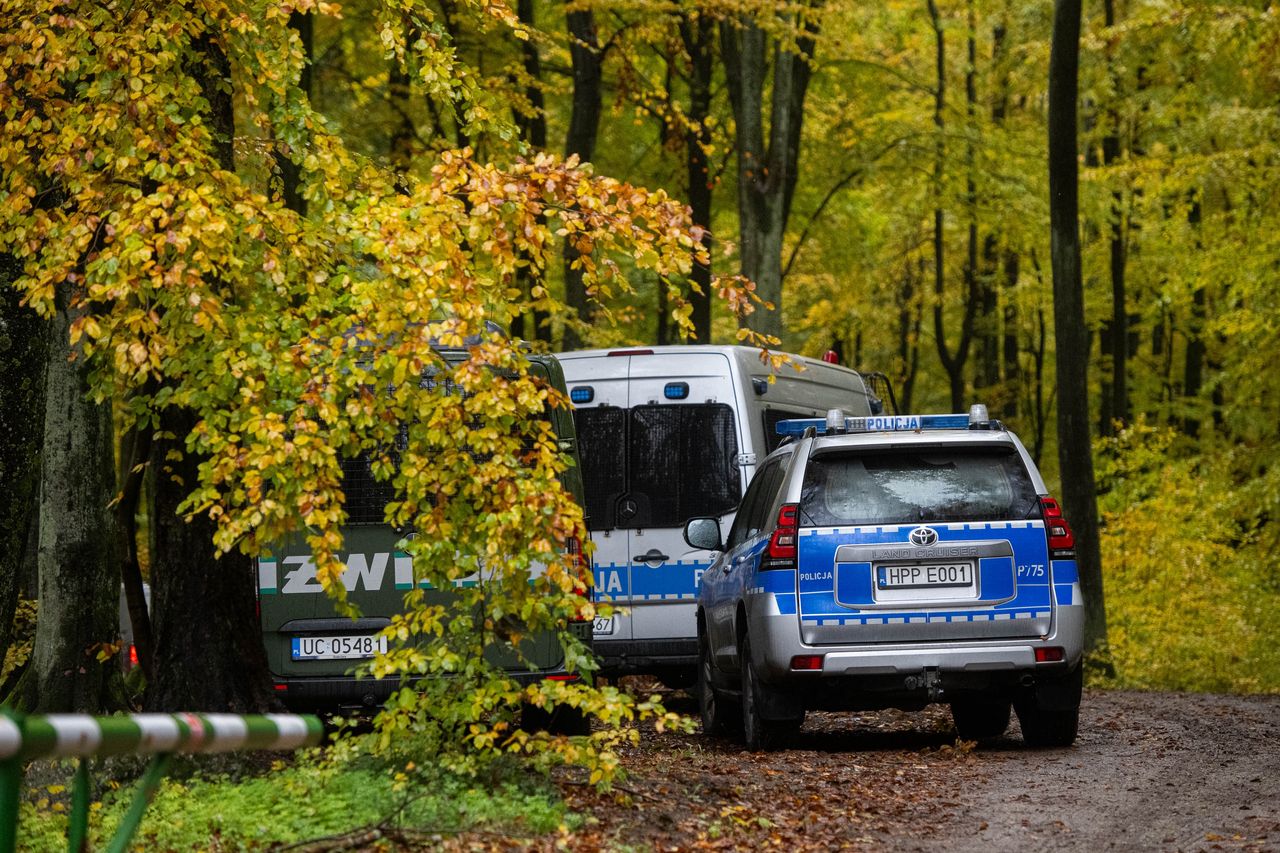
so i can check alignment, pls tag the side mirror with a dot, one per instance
(703, 533)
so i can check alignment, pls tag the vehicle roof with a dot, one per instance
(746, 356)
(938, 438)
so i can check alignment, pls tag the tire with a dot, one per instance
(1051, 724)
(978, 719)
(758, 733)
(718, 717)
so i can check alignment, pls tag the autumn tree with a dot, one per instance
(260, 341)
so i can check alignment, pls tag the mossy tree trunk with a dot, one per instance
(79, 569)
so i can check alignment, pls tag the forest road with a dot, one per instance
(1150, 771)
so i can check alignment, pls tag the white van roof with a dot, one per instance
(749, 364)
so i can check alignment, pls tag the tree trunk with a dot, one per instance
(23, 347)
(698, 34)
(1075, 454)
(533, 129)
(208, 645)
(79, 569)
(584, 123)
(909, 318)
(766, 175)
(1117, 330)
(290, 172)
(952, 362)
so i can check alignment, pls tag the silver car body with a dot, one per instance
(891, 645)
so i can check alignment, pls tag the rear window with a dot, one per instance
(669, 462)
(903, 486)
(602, 449)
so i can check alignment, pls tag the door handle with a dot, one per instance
(652, 556)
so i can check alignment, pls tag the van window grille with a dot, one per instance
(366, 497)
(602, 453)
(682, 462)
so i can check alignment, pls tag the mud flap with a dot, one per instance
(780, 704)
(1060, 694)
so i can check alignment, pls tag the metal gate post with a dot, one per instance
(78, 820)
(141, 799)
(10, 777)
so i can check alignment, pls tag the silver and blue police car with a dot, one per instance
(892, 561)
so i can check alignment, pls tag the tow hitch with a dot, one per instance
(927, 681)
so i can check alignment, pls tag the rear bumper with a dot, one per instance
(622, 657)
(905, 674)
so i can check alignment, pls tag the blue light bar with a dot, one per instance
(877, 423)
(582, 394)
(676, 390)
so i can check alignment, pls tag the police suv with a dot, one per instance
(892, 561)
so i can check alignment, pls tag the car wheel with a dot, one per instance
(759, 733)
(717, 715)
(978, 719)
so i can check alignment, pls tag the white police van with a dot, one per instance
(666, 433)
(893, 562)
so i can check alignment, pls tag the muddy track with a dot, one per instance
(1150, 771)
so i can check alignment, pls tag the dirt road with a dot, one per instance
(1150, 771)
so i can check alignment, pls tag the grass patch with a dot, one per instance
(315, 797)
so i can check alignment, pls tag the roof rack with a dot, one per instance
(836, 423)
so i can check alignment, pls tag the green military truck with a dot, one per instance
(313, 652)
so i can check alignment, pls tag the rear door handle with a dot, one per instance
(653, 556)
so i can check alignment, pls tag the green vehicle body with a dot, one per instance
(294, 607)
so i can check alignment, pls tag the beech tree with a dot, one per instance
(252, 336)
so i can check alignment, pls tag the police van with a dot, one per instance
(666, 433)
(312, 652)
(892, 562)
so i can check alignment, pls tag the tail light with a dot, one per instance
(781, 553)
(1050, 654)
(133, 656)
(1062, 541)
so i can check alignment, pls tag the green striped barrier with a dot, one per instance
(23, 739)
